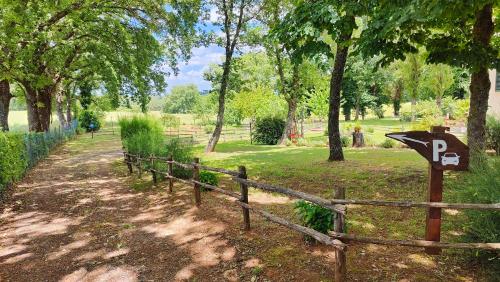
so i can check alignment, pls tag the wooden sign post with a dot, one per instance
(444, 152)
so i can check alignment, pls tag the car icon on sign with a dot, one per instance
(450, 159)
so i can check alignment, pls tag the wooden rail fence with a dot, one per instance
(336, 238)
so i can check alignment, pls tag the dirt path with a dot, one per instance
(76, 217)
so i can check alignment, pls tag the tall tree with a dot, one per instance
(438, 78)
(122, 42)
(234, 16)
(182, 99)
(459, 33)
(309, 31)
(411, 71)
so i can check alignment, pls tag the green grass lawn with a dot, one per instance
(367, 173)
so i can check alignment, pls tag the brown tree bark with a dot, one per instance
(45, 107)
(5, 97)
(480, 84)
(32, 108)
(59, 95)
(230, 45)
(413, 108)
(222, 105)
(335, 145)
(69, 117)
(292, 101)
(396, 98)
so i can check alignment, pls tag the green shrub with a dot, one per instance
(388, 143)
(458, 109)
(481, 185)
(314, 216)
(268, 131)
(144, 136)
(370, 130)
(209, 177)
(345, 141)
(493, 134)
(136, 124)
(88, 118)
(13, 160)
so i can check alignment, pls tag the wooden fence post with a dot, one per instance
(170, 173)
(244, 197)
(340, 255)
(139, 166)
(196, 177)
(153, 169)
(128, 160)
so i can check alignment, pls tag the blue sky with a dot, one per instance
(192, 71)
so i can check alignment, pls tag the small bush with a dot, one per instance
(493, 134)
(90, 120)
(388, 143)
(370, 130)
(481, 186)
(268, 131)
(345, 141)
(208, 177)
(314, 216)
(144, 136)
(136, 124)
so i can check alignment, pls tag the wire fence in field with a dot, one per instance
(39, 144)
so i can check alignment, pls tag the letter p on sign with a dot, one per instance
(438, 146)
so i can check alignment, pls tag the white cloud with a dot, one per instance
(192, 71)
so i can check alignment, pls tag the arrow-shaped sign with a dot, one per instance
(402, 137)
(443, 150)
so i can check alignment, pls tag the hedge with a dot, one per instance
(21, 151)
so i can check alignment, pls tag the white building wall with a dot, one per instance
(494, 99)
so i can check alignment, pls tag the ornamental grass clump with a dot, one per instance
(144, 136)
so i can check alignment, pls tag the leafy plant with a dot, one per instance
(144, 136)
(314, 216)
(208, 177)
(481, 186)
(345, 140)
(90, 120)
(268, 131)
(493, 134)
(388, 143)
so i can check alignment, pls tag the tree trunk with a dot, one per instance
(60, 108)
(347, 114)
(335, 145)
(439, 100)
(45, 107)
(69, 118)
(5, 97)
(480, 85)
(292, 101)
(222, 104)
(292, 109)
(413, 106)
(32, 108)
(396, 104)
(358, 111)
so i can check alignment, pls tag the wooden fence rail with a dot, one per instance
(335, 238)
